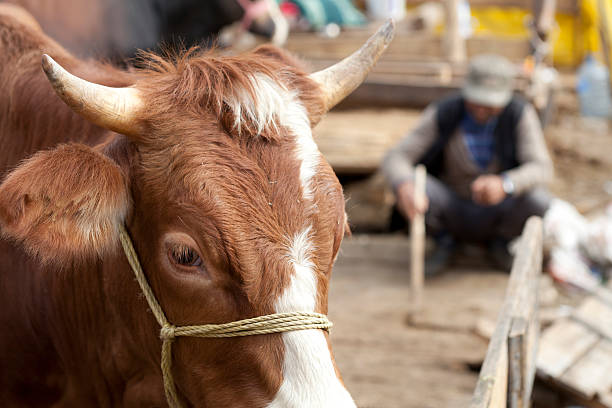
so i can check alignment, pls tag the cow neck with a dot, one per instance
(272, 323)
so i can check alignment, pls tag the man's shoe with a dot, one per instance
(439, 259)
(499, 254)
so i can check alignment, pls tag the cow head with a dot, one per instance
(233, 211)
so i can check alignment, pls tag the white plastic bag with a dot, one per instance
(597, 242)
(564, 226)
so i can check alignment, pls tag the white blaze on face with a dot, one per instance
(309, 375)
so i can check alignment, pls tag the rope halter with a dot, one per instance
(272, 323)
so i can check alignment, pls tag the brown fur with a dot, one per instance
(78, 319)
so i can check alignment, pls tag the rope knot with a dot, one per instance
(167, 332)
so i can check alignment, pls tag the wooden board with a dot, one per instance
(492, 387)
(516, 361)
(360, 147)
(405, 47)
(561, 345)
(592, 374)
(533, 346)
(596, 315)
(563, 6)
(499, 394)
(605, 295)
(576, 352)
(606, 399)
(413, 71)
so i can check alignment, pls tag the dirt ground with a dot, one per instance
(387, 362)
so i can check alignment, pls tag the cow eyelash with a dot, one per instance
(185, 256)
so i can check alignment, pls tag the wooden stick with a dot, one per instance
(417, 242)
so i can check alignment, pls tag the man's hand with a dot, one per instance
(488, 189)
(406, 201)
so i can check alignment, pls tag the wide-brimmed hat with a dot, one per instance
(490, 81)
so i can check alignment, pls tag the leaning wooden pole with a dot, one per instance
(417, 243)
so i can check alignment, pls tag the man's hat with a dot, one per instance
(490, 81)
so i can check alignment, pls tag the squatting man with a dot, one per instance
(487, 165)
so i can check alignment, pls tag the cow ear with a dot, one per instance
(65, 204)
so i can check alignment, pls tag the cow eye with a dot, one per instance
(185, 256)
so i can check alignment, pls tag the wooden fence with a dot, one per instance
(507, 374)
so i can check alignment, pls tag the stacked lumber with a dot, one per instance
(412, 72)
(563, 6)
(576, 352)
(354, 142)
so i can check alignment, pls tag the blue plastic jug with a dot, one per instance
(593, 89)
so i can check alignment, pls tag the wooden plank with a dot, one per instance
(417, 242)
(392, 94)
(359, 149)
(516, 363)
(522, 351)
(409, 47)
(597, 315)
(499, 393)
(563, 6)
(604, 294)
(533, 346)
(561, 345)
(523, 336)
(592, 374)
(606, 399)
(491, 380)
(431, 70)
(413, 71)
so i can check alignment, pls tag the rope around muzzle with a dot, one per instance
(272, 323)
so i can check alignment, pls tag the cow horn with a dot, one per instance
(111, 108)
(339, 80)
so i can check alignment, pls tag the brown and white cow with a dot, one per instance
(211, 165)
